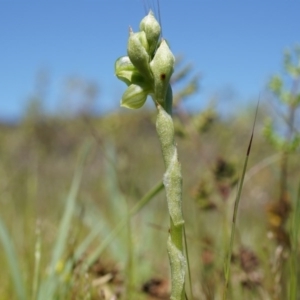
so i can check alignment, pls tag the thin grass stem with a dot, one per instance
(235, 212)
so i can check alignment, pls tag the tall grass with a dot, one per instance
(13, 263)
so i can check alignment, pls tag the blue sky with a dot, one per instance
(235, 45)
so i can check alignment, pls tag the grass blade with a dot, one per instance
(48, 290)
(235, 211)
(12, 261)
(153, 192)
(37, 255)
(294, 266)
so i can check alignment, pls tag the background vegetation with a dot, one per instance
(67, 183)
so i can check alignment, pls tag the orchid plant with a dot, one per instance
(147, 70)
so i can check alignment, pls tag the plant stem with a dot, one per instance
(173, 185)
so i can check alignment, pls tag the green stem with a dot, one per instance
(173, 185)
(233, 227)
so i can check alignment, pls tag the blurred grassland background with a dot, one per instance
(70, 178)
(39, 157)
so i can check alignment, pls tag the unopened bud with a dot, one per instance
(162, 67)
(138, 54)
(152, 29)
(124, 69)
(134, 97)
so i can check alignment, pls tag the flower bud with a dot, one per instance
(138, 54)
(124, 69)
(162, 67)
(143, 39)
(152, 29)
(127, 72)
(134, 97)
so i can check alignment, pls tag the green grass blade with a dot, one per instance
(37, 255)
(294, 265)
(235, 211)
(70, 205)
(12, 261)
(233, 227)
(153, 192)
(48, 290)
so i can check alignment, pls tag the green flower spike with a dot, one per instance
(147, 71)
(147, 77)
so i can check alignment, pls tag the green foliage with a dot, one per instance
(12, 260)
(36, 177)
(286, 90)
(286, 142)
